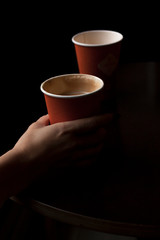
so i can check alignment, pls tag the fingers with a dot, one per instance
(89, 124)
(88, 148)
(92, 138)
(86, 155)
(80, 125)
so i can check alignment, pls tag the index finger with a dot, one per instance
(89, 124)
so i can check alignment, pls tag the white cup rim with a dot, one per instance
(119, 35)
(71, 96)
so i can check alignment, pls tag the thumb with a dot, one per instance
(43, 121)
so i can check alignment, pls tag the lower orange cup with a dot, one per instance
(72, 96)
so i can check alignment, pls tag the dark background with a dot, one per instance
(36, 44)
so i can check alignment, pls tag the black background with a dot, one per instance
(36, 44)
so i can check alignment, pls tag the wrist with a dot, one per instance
(14, 175)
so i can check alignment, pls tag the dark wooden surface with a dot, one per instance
(120, 193)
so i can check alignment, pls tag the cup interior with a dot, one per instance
(97, 38)
(71, 85)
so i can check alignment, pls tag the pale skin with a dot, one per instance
(43, 146)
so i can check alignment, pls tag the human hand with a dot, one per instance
(63, 143)
(44, 146)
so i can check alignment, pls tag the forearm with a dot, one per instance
(16, 173)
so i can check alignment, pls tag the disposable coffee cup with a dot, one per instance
(72, 96)
(98, 53)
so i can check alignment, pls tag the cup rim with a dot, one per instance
(96, 45)
(70, 96)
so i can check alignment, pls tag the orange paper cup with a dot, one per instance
(72, 96)
(98, 53)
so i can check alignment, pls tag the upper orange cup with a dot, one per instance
(98, 53)
(72, 96)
